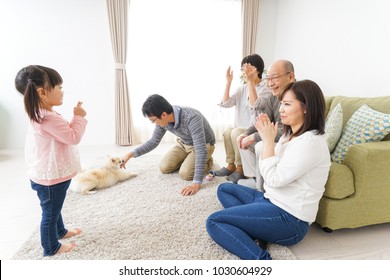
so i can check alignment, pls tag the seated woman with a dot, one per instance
(295, 172)
(244, 99)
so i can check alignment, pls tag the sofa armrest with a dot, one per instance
(340, 183)
(369, 163)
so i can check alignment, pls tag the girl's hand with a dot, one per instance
(266, 128)
(78, 110)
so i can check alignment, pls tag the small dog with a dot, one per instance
(110, 173)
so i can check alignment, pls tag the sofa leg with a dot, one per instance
(328, 230)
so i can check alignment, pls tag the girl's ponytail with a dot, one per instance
(32, 102)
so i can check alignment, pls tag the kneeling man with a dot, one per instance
(192, 153)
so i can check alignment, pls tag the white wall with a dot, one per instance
(70, 36)
(343, 45)
(266, 30)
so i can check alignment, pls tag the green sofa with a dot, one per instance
(357, 192)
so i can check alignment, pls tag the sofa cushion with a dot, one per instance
(351, 104)
(340, 182)
(328, 103)
(333, 126)
(364, 126)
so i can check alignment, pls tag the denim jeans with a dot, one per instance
(52, 227)
(248, 216)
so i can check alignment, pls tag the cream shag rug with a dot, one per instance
(144, 218)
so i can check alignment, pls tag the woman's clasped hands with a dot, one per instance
(266, 128)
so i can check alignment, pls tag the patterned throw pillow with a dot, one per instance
(365, 125)
(333, 126)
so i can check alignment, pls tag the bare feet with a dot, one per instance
(72, 232)
(65, 248)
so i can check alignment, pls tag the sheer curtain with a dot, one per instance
(181, 50)
(250, 12)
(117, 15)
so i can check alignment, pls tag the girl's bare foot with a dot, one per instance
(72, 232)
(65, 248)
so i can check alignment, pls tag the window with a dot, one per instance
(181, 49)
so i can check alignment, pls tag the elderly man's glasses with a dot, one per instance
(275, 78)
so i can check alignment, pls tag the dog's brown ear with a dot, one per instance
(113, 160)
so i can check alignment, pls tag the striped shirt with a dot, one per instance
(193, 129)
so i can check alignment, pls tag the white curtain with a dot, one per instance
(250, 11)
(181, 50)
(117, 15)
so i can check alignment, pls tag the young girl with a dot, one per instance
(50, 153)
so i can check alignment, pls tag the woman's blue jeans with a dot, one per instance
(52, 227)
(248, 216)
